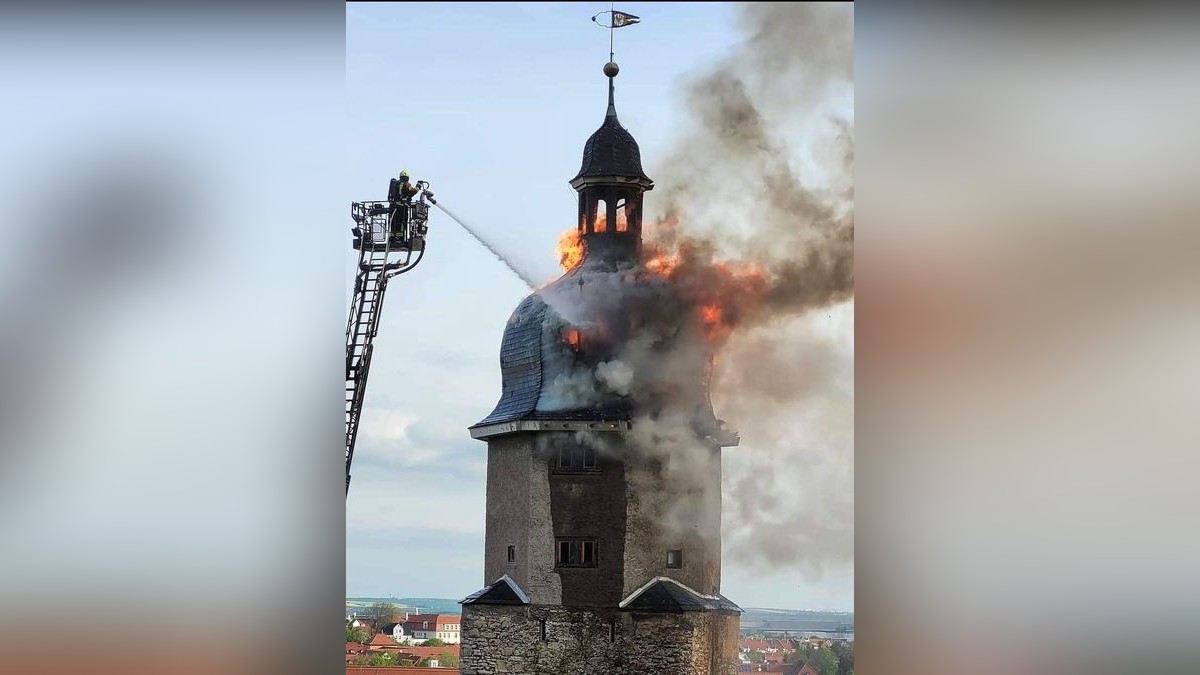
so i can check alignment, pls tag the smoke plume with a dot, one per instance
(756, 224)
(753, 232)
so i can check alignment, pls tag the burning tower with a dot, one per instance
(603, 546)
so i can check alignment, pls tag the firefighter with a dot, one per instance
(400, 194)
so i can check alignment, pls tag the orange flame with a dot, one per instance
(570, 249)
(721, 292)
(574, 339)
(662, 265)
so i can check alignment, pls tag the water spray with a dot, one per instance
(499, 256)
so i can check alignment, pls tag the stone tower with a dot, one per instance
(603, 549)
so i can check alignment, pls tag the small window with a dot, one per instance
(543, 630)
(675, 559)
(512, 554)
(576, 553)
(622, 216)
(612, 630)
(600, 224)
(577, 458)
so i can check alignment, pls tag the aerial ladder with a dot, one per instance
(390, 239)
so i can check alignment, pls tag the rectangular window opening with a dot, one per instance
(543, 630)
(600, 224)
(577, 458)
(622, 216)
(674, 559)
(576, 553)
(512, 554)
(612, 630)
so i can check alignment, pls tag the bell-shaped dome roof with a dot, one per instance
(587, 346)
(611, 152)
(542, 378)
(566, 345)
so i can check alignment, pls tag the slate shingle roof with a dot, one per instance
(503, 591)
(611, 151)
(520, 363)
(667, 595)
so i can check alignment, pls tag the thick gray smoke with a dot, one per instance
(748, 256)
(765, 175)
(764, 180)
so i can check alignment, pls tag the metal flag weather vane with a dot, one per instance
(616, 19)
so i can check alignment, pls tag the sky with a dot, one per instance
(491, 104)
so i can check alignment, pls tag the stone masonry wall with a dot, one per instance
(508, 508)
(508, 639)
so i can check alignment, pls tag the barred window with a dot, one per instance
(575, 553)
(577, 458)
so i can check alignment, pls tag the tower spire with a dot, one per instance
(611, 69)
(612, 27)
(615, 20)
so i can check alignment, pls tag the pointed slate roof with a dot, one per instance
(664, 594)
(503, 591)
(612, 152)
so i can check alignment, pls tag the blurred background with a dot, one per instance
(1026, 294)
(171, 314)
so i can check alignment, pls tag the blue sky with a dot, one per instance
(492, 104)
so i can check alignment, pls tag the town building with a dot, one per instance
(444, 627)
(395, 631)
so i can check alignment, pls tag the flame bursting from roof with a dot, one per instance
(722, 293)
(570, 249)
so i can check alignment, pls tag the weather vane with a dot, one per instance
(616, 19)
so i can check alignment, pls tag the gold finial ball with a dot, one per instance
(611, 69)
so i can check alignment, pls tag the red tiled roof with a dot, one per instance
(381, 640)
(783, 645)
(436, 621)
(422, 652)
